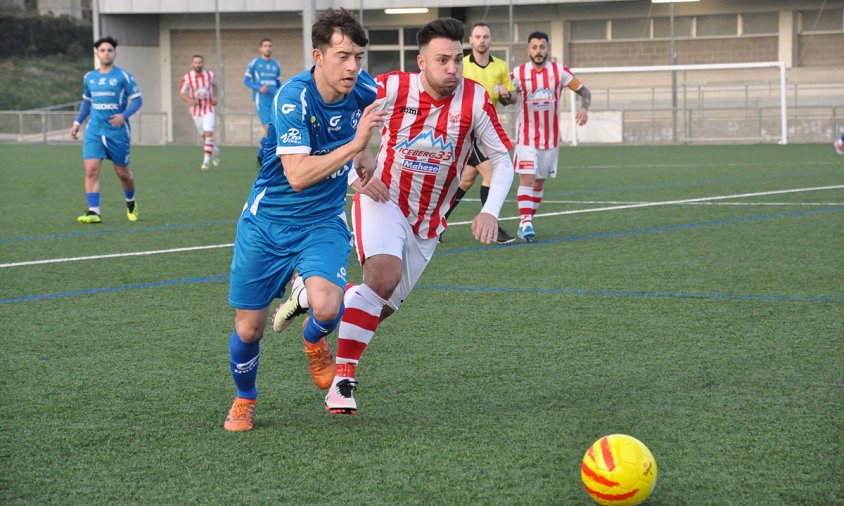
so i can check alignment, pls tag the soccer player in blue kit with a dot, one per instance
(110, 95)
(294, 219)
(263, 75)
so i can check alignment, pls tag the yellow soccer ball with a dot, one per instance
(618, 470)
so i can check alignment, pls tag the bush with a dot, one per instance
(33, 35)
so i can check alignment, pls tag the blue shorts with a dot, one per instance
(113, 145)
(265, 255)
(264, 105)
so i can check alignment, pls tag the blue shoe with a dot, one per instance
(526, 232)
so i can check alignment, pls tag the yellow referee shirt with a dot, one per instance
(495, 72)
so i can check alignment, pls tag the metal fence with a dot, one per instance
(706, 113)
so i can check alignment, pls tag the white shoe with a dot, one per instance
(340, 399)
(215, 158)
(291, 308)
(204, 166)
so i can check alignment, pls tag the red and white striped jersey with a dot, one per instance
(425, 145)
(537, 122)
(200, 88)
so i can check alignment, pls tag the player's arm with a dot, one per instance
(303, 171)
(214, 92)
(506, 91)
(585, 100)
(183, 94)
(362, 179)
(84, 111)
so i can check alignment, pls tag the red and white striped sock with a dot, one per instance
(537, 199)
(208, 148)
(524, 196)
(360, 319)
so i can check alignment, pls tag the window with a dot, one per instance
(589, 30)
(826, 20)
(722, 24)
(682, 27)
(639, 28)
(758, 23)
(392, 49)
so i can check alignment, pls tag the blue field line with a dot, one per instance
(643, 230)
(681, 184)
(118, 230)
(204, 279)
(633, 293)
(219, 277)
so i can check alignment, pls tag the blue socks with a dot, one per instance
(316, 330)
(130, 195)
(93, 200)
(243, 360)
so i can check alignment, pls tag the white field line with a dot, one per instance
(115, 255)
(560, 213)
(614, 202)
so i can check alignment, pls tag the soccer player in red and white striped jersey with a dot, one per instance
(432, 118)
(540, 83)
(199, 90)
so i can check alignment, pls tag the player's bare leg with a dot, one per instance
(127, 180)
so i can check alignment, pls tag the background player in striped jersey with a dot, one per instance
(432, 117)
(540, 84)
(494, 75)
(199, 91)
(110, 95)
(263, 75)
(294, 216)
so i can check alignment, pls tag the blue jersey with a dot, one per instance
(303, 123)
(109, 94)
(264, 73)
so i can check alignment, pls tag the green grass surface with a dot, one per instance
(713, 333)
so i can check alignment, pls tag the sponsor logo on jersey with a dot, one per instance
(334, 123)
(288, 108)
(104, 107)
(425, 153)
(541, 100)
(409, 110)
(291, 136)
(103, 93)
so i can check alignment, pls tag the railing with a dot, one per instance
(50, 126)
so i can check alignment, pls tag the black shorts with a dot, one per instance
(476, 157)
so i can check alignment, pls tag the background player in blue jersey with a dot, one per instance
(263, 75)
(110, 95)
(294, 217)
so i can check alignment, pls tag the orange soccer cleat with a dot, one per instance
(240, 415)
(320, 363)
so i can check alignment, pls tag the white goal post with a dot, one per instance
(674, 68)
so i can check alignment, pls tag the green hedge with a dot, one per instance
(32, 35)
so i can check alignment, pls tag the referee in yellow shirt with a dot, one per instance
(494, 75)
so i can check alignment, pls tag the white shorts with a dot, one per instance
(204, 123)
(380, 228)
(542, 163)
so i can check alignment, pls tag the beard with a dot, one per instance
(539, 59)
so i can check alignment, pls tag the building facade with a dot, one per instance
(158, 37)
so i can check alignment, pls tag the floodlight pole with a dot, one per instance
(673, 77)
(221, 75)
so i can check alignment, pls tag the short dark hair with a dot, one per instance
(100, 41)
(538, 35)
(447, 28)
(340, 19)
(265, 40)
(198, 56)
(479, 23)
